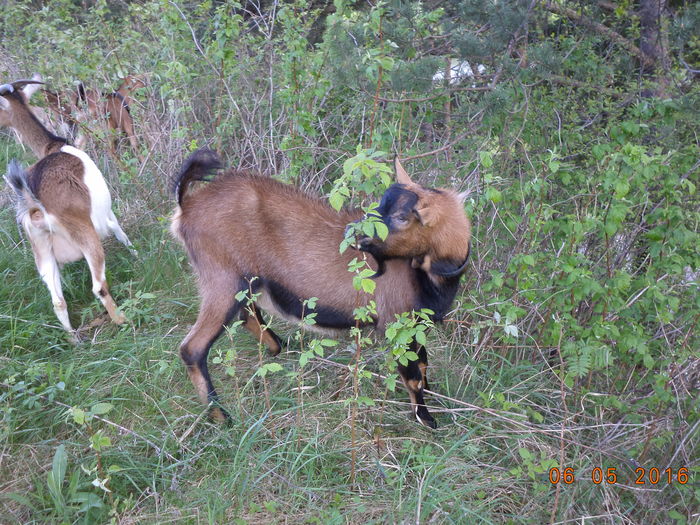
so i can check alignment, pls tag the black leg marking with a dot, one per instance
(413, 379)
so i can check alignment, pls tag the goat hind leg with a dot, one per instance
(215, 312)
(113, 225)
(48, 270)
(94, 254)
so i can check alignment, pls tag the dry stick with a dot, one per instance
(438, 150)
(448, 104)
(253, 314)
(440, 94)
(353, 411)
(158, 449)
(213, 67)
(380, 72)
(599, 28)
(563, 423)
(300, 376)
(469, 406)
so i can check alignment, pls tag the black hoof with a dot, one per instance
(273, 351)
(219, 415)
(424, 418)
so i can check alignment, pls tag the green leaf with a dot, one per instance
(411, 356)
(381, 229)
(494, 195)
(274, 367)
(368, 285)
(99, 441)
(59, 464)
(78, 415)
(336, 200)
(269, 367)
(525, 453)
(365, 401)
(54, 479)
(101, 408)
(486, 159)
(622, 187)
(304, 358)
(87, 500)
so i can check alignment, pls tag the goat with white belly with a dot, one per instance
(63, 202)
(247, 232)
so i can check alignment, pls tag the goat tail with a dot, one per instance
(27, 201)
(17, 179)
(197, 167)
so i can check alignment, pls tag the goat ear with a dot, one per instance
(401, 175)
(427, 215)
(30, 89)
(462, 197)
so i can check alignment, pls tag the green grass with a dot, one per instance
(500, 418)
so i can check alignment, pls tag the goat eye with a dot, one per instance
(401, 219)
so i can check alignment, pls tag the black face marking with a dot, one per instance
(437, 297)
(293, 306)
(396, 201)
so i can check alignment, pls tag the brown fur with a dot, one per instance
(54, 202)
(115, 108)
(240, 226)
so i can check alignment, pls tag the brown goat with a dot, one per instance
(63, 202)
(247, 232)
(115, 107)
(61, 117)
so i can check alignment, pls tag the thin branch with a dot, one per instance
(599, 28)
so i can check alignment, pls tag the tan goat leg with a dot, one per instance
(90, 245)
(48, 270)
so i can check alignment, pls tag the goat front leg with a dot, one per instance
(423, 365)
(131, 135)
(414, 378)
(255, 324)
